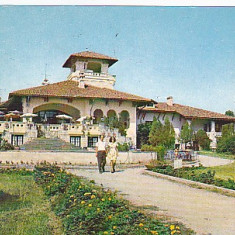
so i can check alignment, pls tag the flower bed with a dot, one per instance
(85, 208)
(194, 174)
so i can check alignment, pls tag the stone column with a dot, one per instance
(212, 126)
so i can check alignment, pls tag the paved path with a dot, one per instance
(208, 161)
(203, 211)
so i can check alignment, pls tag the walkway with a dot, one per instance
(203, 211)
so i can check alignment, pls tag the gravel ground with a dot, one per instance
(203, 211)
(208, 161)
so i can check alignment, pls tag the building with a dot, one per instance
(87, 96)
(178, 115)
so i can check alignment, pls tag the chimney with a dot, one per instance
(169, 101)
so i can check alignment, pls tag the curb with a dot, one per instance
(195, 184)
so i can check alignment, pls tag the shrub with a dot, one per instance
(6, 146)
(226, 145)
(148, 148)
(123, 147)
(192, 173)
(202, 139)
(161, 150)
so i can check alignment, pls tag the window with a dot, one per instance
(17, 140)
(92, 141)
(75, 140)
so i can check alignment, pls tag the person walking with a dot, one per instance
(101, 154)
(112, 153)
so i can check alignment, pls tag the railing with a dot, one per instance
(215, 134)
(16, 127)
(91, 74)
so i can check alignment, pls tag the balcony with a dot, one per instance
(91, 74)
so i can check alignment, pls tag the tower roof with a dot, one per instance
(88, 55)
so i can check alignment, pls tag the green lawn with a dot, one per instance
(24, 209)
(223, 172)
(215, 154)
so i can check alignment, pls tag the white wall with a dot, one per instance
(82, 158)
(87, 109)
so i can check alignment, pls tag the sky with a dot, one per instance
(184, 52)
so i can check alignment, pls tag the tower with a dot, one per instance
(91, 68)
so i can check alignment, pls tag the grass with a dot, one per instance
(223, 172)
(23, 207)
(85, 208)
(215, 154)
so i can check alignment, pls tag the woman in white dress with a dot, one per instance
(112, 153)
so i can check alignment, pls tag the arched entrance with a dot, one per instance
(98, 114)
(125, 118)
(47, 112)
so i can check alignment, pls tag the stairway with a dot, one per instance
(48, 144)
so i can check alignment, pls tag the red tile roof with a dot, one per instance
(70, 89)
(187, 111)
(89, 55)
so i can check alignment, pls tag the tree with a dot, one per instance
(155, 134)
(143, 133)
(162, 135)
(227, 142)
(168, 134)
(230, 113)
(227, 130)
(202, 139)
(186, 133)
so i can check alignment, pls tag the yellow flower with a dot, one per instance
(83, 202)
(80, 186)
(102, 199)
(106, 232)
(90, 205)
(177, 227)
(92, 196)
(146, 229)
(173, 232)
(110, 198)
(75, 199)
(110, 217)
(86, 194)
(172, 227)
(112, 233)
(114, 227)
(141, 225)
(154, 232)
(98, 209)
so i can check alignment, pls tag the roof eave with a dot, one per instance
(67, 63)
